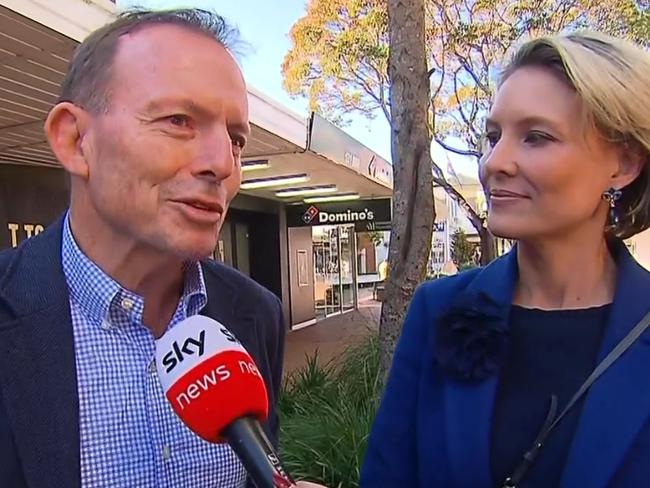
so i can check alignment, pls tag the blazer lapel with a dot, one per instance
(223, 306)
(37, 364)
(618, 404)
(237, 312)
(468, 406)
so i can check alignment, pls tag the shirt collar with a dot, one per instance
(97, 293)
(195, 294)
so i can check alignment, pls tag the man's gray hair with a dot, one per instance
(87, 81)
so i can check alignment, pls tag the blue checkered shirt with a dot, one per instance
(129, 435)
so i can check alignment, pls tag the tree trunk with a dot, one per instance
(488, 246)
(413, 212)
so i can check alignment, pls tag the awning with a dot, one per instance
(33, 60)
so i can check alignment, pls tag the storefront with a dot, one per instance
(250, 240)
(333, 255)
(316, 268)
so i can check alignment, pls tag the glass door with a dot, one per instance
(223, 252)
(327, 289)
(347, 267)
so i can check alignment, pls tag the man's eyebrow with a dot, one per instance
(189, 106)
(183, 104)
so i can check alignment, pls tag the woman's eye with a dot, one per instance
(492, 138)
(537, 137)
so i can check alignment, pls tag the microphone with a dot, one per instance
(215, 388)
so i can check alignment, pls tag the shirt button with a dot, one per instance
(127, 304)
(167, 453)
(152, 367)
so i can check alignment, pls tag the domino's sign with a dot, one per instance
(359, 212)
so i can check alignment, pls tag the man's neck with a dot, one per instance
(572, 272)
(158, 279)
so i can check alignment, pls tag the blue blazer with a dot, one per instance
(39, 405)
(434, 432)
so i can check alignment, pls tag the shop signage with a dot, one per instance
(330, 141)
(30, 199)
(352, 160)
(439, 226)
(18, 232)
(371, 226)
(361, 213)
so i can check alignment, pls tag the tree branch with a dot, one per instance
(486, 63)
(436, 92)
(564, 16)
(464, 62)
(470, 11)
(384, 108)
(461, 152)
(457, 8)
(476, 220)
(363, 82)
(360, 81)
(383, 103)
(468, 123)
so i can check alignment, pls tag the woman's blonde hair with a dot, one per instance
(612, 78)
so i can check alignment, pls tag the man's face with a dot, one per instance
(164, 159)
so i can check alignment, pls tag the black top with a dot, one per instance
(551, 352)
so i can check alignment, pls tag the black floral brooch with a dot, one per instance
(471, 341)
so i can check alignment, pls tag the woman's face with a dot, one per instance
(543, 172)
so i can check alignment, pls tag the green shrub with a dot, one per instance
(467, 266)
(326, 413)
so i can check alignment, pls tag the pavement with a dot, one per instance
(331, 336)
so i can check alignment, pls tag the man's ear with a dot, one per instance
(632, 159)
(65, 127)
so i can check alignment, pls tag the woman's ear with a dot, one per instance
(632, 159)
(65, 127)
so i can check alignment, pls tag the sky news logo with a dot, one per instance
(214, 377)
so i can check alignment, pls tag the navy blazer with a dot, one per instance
(435, 432)
(39, 405)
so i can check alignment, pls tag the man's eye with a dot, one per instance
(179, 120)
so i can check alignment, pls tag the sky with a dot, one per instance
(264, 26)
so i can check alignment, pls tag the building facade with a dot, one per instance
(451, 217)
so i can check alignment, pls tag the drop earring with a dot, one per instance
(611, 196)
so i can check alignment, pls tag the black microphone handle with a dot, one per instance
(275, 459)
(257, 458)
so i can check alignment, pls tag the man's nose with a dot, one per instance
(215, 159)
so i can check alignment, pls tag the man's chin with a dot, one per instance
(195, 251)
